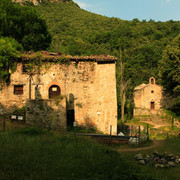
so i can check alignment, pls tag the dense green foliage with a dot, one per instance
(79, 32)
(8, 54)
(170, 71)
(23, 24)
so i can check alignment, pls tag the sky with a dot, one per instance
(158, 10)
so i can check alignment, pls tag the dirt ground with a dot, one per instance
(156, 143)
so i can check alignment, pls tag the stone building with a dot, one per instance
(65, 89)
(147, 98)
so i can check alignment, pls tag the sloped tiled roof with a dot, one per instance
(58, 56)
(140, 86)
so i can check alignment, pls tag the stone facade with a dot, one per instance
(147, 98)
(87, 83)
(46, 113)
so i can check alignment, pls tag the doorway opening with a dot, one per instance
(54, 91)
(70, 118)
(152, 105)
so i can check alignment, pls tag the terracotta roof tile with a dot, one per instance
(44, 55)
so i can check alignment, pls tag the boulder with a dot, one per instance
(138, 157)
(177, 161)
(142, 162)
(171, 163)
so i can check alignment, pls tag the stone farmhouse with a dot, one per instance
(61, 90)
(147, 98)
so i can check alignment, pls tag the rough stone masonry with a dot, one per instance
(87, 86)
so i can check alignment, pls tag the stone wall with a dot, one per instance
(88, 86)
(46, 113)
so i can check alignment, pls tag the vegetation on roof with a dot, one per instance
(44, 55)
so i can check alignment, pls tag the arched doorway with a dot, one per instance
(152, 105)
(70, 111)
(54, 91)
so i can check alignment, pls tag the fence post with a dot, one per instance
(172, 122)
(147, 133)
(139, 134)
(110, 134)
(4, 122)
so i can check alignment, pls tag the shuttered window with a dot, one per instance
(18, 89)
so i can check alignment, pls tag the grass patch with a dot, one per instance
(170, 146)
(37, 154)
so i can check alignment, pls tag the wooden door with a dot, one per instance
(54, 91)
(152, 105)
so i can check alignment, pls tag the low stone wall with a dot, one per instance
(147, 112)
(46, 113)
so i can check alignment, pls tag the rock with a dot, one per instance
(159, 165)
(138, 157)
(147, 160)
(156, 153)
(133, 140)
(163, 161)
(166, 165)
(157, 159)
(171, 163)
(142, 162)
(120, 134)
(177, 161)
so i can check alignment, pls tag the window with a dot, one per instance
(24, 68)
(18, 89)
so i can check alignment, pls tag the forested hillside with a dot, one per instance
(147, 47)
(78, 32)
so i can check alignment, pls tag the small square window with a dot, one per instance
(24, 68)
(18, 89)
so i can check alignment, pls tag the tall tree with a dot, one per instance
(8, 52)
(169, 71)
(123, 87)
(23, 24)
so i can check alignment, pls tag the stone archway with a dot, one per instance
(54, 91)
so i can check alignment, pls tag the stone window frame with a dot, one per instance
(18, 89)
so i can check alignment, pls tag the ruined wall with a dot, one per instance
(89, 89)
(8, 99)
(46, 113)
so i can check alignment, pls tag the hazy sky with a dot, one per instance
(158, 10)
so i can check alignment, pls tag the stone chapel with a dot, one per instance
(147, 98)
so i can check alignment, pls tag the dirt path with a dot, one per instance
(156, 126)
(154, 145)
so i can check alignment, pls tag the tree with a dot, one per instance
(8, 53)
(25, 25)
(169, 71)
(123, 87)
